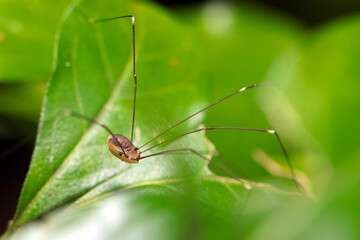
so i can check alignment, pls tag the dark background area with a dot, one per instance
(14, 164)
(310, 12)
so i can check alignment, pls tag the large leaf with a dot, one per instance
(71, 156)
(93, 76)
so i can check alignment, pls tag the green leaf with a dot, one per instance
(71, 156)
(93, 76)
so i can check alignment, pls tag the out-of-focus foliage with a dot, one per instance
(27, 40)
(319, 97)
(18, 95)
(181, 67)
(160, 212)
(27, 37)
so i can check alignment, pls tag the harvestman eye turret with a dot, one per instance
(124, 149)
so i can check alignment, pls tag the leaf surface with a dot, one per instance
(93, 76)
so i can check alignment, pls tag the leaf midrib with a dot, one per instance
(224, 181)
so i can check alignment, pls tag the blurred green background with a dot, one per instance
(309, 49)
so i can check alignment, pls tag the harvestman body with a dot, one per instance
(123, 148)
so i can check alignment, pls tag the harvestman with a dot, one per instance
(123, 148)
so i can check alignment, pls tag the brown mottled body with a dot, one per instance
(131, 154)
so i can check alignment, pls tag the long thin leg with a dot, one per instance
(192, 115)
(242, 182)
(292, 172)
(78, 115)
(133, 53)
